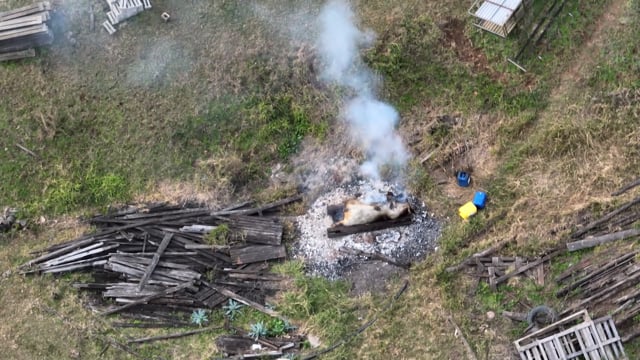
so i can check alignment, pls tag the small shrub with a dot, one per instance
(199, 317)
(232, 309)
(258, 330)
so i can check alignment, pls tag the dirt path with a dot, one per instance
(590, 51)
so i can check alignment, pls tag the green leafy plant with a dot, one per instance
(199, 317)
(258, 330)
(232, 309)
(279, 327)
(276, 327)
(218, 236)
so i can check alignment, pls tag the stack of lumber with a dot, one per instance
(155, 259)
(120, 10)
(24, 29)
(605, 283)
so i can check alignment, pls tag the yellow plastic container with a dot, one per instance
(467, 210)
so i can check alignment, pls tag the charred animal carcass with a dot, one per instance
(358, 212)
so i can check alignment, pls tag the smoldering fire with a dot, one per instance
(372, 122)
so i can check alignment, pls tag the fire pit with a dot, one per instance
(410, 238)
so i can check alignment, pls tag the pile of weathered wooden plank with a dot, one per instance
(154, 261)
(120, 10)
(23, 29)
(612, 226)
(605, 283)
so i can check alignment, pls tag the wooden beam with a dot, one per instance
(29, 30)
(531, 265)
(598, 240)
(340, 230)
(156, 258)
(261, 209)
(605, 218)
(25, 10)
(57, 252)
(257, 253)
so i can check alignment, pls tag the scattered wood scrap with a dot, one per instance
(605, 283)
(23, 29)
(608, 219)
(150, 262)
(375, 256)
(627, 187)
(498, 269)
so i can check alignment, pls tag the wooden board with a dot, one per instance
(24, 11)
(29, 30)
(24, 21)
(340, 230)
(257, 230)
(257, 253)
(26, 42)
(15, 55)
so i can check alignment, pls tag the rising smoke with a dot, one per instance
(372, 123)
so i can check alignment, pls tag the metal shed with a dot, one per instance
(498, 16)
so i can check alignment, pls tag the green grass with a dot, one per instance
(111, 138)
(324, 306)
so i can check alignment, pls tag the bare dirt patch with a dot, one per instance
(586, 59)
(454, 38)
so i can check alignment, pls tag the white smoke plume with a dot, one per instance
(372, 122)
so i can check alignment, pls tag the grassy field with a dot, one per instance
(207, 106)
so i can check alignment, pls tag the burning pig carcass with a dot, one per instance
(339, 225)
(356, 215)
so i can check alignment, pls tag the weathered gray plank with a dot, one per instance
(148, 298)
(598, 240)
(154, 261)
(258, 230)
(29, 30)
(257, 253)
(25, 10)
